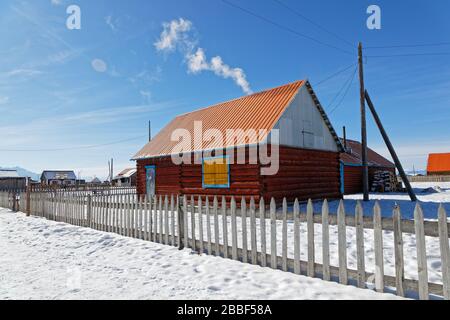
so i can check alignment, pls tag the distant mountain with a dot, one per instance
(417, 172)
(25, 173)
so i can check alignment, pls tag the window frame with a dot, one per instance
(216, 186)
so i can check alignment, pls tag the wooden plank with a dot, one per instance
(166, 220)
(445, 252)
(185, 222)
(216, 226)
(297, 269)
(421, 253)
(273, 235)
(192, 214)
(172, 218)
(311, 244)
(359, 214)
(234, 255)
(161, 220)
(200, 225)
(378, 247)
(146, 231)
(225, 226)
(398, 251)
(342, 244)
(132, 216)
(155, 219)
(284, 266)
(244, 230)
(253, 231)
(325, 242)
(262, 224)
(208, 226)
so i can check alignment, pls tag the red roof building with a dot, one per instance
(438, 164)
(308, 149)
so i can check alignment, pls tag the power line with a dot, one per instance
(312, 22)
(284, 27)
(409, 55)
(333, 75)
(73, 148)
(345, 93)
(436, 44)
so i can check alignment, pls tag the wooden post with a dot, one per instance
(359, 222)
(180, 217)
(390, 148)
(363, 126)
(28, 205)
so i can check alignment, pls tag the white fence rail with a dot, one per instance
(350, 248)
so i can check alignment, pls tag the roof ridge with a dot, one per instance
(241, 97)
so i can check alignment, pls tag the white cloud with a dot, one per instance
(176, 34)
(23, 72)
(111, 24)
(146, 96)
(99, 65)
(56, 2)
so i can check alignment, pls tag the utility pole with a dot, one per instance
(365, 167)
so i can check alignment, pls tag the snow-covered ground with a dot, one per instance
(429, 194)
(42, 259)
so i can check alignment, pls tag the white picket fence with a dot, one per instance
(267, 236)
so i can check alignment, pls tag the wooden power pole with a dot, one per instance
(365, 167)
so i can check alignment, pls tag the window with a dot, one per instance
(216, 172)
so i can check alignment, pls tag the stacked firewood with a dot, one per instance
(384, 181)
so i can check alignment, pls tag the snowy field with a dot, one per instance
(42, 259)
(429, 194)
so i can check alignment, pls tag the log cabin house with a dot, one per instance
(309, 150)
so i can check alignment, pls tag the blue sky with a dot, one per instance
(61, 110)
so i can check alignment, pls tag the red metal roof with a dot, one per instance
(354, 156)
(438, 162)
(257, 111)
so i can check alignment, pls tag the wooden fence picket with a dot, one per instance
(155, 219)
(262, 225)
(359, 221)
(311, 244)
(297, 265)
(225, 227)
(200, 225)
(325, 242)
(166, 220)
(253, 231)
(398, 252)
(421, 253)
(208, 226)
(234, 250)
(216, 226)
(172, 218)
(193, 245)
(342, 244)
(273, 235)
(244, 230)
(445, 253)
(284, 265)
(378, 246)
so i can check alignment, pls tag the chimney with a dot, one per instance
(345, 138)
(149, 131)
